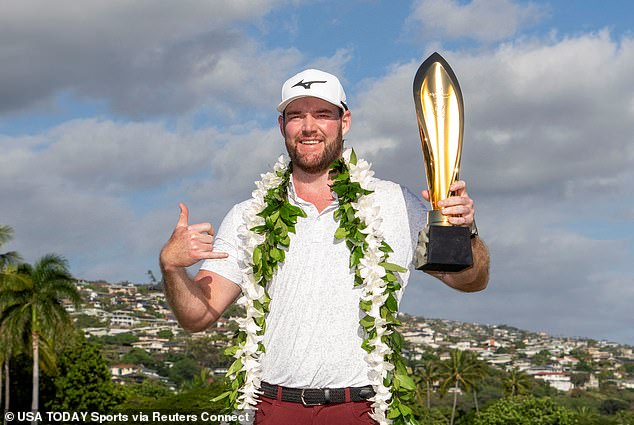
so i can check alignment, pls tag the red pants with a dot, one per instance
(276, 412)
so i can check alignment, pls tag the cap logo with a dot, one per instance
(307, 84)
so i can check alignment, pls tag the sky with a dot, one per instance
(112, 112)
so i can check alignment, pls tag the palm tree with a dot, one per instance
(429, 373)
(480, 371)
(7, 261)
(474, 390)
(516, 382)
(461, 370)
(202, 380)
(586, 416)
(3, 360)
(6, 390)
(10, 345)
(11, 257)
(32, 301)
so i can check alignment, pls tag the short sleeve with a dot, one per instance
(226, 240)
(416, 215)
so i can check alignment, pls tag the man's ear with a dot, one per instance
(346, 122)
(280, 121)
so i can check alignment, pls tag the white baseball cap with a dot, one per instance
(313, 83)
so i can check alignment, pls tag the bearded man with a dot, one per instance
(313, 369)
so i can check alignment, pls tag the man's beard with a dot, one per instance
(312, 164)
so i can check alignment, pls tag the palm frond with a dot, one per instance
(31, 299)
(6, 234)
(9, 258)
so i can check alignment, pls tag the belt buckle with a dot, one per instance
(301, 397)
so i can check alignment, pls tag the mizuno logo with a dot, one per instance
(306, 84)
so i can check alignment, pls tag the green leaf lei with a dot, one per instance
(383, 343)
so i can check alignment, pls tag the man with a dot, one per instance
(313, 338)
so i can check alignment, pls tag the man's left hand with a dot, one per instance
(458, 208)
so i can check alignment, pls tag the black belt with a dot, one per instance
(316, 396)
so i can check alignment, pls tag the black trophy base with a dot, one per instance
(448, 249)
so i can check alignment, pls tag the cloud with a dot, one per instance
(547, 117)
(548, 143)
(105, 193)
(106, 190)
(103, 155)
(547, 151)
(481, 20)
(559, 108)
(140, 58)
(541, 280)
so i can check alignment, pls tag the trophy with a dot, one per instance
(439, 109)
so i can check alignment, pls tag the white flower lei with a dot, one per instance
(371, 270)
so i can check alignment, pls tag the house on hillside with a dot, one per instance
(123, 318)
(123, 369)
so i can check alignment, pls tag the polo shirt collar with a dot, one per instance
(305, 205)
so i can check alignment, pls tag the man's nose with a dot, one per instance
(308, 124)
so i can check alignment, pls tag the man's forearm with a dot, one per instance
(190, 299)
(474, 278)
(186, 299)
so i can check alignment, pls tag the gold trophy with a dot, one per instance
(440, 113)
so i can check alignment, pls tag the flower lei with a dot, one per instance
(268, 220)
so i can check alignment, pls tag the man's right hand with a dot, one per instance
(188, 243)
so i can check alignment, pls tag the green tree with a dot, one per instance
(203, 379)
(628, 368)
(525, 410)
(126, 338)
(165, 333)
(428, 374)
(83, 382)
(32, 301)
(433, 416)
(11, 341)
(138, 356)
(148, 389)
(586, 416)
(194, 400)
(8, 344)
(542, 358)
(583, 366)
(183, 370)
(461, 371)
(11, 257)
(611, 406)
(502, 350)
(624, 418)
(516, 383)
(207, 353)
(83, 321)
(581, 355)
(578, 380)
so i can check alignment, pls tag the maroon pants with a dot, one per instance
(276, 412)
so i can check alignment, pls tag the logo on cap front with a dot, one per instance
(307, 84)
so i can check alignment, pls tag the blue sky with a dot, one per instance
(112, 112)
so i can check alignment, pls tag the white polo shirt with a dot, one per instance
(313, 337)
